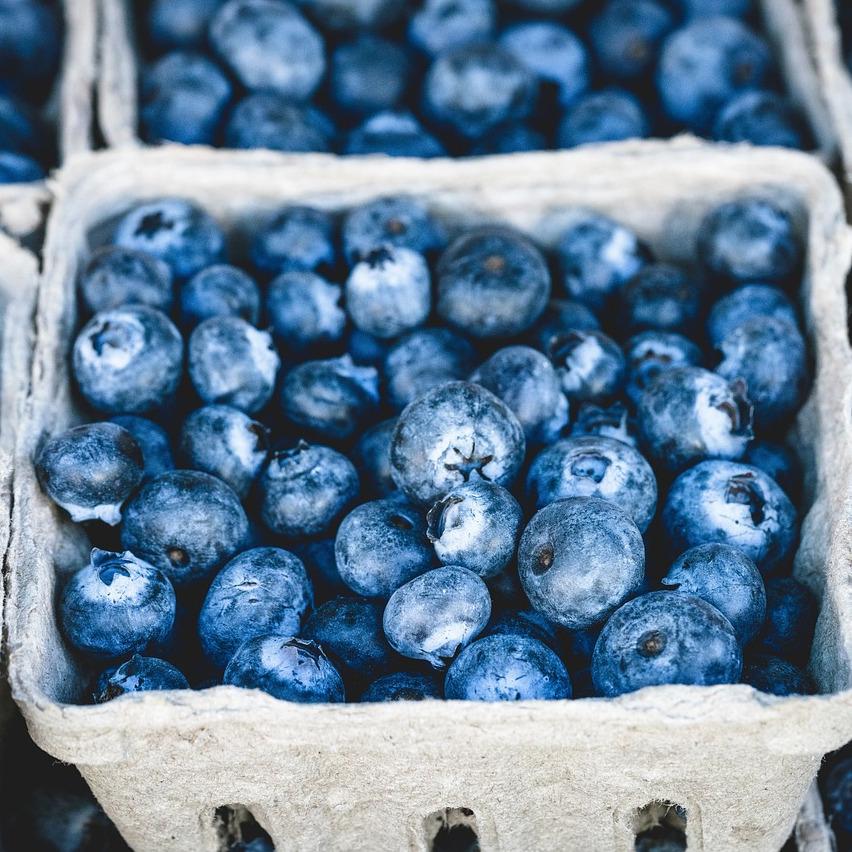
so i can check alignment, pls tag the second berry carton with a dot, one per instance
(727, 765)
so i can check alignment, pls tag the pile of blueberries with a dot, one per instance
(30, 50)
(415, 463)
(430, 78)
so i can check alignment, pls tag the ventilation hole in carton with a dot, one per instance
(660, 827)
(238, 831)
(452, 830)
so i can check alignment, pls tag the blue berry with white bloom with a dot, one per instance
(91, 470)
(128, 360)
(435, 615)
(442, 24)
(227, 443)
(570, 572)
(263, 590)
(368, 75)
(116, 276)
(152, 440)
(295, 238)
(590, 365)
(760, 118)
(304, 310)
(650, 353)
(305, 489)
(287, 668)
(394, 134)
(219, 291)
(661, 297)
(612, 421)
(402, 686)
(138, 674)
(507, 668)
(664, 638)
(117, 605)
(611, 115)
(267, 120)
(791, 615)
(476, 526)
(745, 304)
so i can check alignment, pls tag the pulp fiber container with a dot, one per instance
(18, 276)
(812, 832)
(118, 102)
(70, 110)
(835, 79)
(560, 775)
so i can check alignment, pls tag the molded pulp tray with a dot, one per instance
(118, 100)
(537, 775)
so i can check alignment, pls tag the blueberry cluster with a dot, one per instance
(30, 48)
(385, 461)
(457, 77)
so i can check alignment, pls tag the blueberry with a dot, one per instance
(775, 676)
(227, 443)
(402, 686)
(730, 503)
(382, 545)
(138, 674)
(750, 239)
(437, 614)
(372, 457)
(778, 461)
(219, 291)
(389, 292)
(397, 221)
(91, 470)
(728, 579)
(423, 360)
(117, 276)
(261, 591)
(350, 631)
(30, 44)
(571, 573)
(596, 257)
(473, 88)
(626, 36)
(527, 382)
(612, 115)
(770, 356)
(476, 526)
(704, 64)
(232, 363)
(650, 353)
(662, 638)
(590, 365)
(687, 414)
(355, 14)
(186, 523)
(116, 605)
(746, 303)
(492, 282)
(183, 98)
(760, 118)
(610, 422)
(838, 797)
(442, 24)
(394, 134)
(128, 360)
(791, 615)
(553, 53)
(526, 622)
(304, 310)
(269, 46)
(174, 230)
(507, 668)
(595, 466)
(180, 24)
(333, 398)
(368, 75)
(152, 440)
(267, 120)
(294, 238)
(511, 139)
(287, 668)
(455, 433)
(660, 297)
(546, 7)
(559, 316)
(711, 8)
(19, 168)
(305, 489)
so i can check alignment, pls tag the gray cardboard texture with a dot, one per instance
(537, 775)
(118, 103)
(22, 206)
